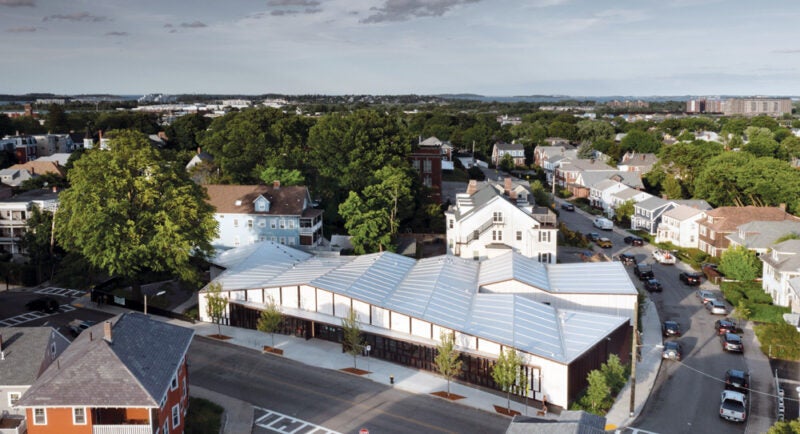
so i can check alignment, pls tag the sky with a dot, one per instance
(337, 47)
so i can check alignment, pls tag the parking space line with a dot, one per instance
(281, 423)
(52, 290)
(30, 316)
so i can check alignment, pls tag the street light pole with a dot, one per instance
(145, 299)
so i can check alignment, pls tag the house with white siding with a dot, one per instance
(563, 319)
(781, 265)
(679, 226)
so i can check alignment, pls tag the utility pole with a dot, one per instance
(634, 351)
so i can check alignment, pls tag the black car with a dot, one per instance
(653, 285)
(633, 240)
(731, 342)
(725, 325)
(566, 206)
(643, 272)
(43, 304)
(627, 259)
(671, 328)
(691, 278)
(672, 350)
(737, 380)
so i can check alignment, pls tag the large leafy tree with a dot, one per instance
(740, 263)
(640, 141)
(129, 212)
(183, 132)
(685, 160)
(590, 131)
(37, 240)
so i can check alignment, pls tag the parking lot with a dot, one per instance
(13, 312)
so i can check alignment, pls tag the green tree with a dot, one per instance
(368, 228)
(742, 311)
(672, 188)
(507, 163)
(286, 177)
(685, 160)
(153, 218)
(562, 129)
(740, 263)
(352, 335)
(785, 427)
(184, 131)
(615, 372)
(216, 305)
(37, 240)
(590, 131)
(624, 211)
(504, 372)
(585, 151)
(270, 319)
(640, 141)
(56, 119)
(598, 394)
(760, 142)
(447, 358)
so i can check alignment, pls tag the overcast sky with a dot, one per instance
(489, 47)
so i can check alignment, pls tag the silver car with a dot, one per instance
(705, 296)
(717, 307)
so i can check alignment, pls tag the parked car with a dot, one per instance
(43, 304)
(672, 350)
(77, 326)
(593, 236)
(627, 259)
(671, 328)
(603, 223)
(716, 307)
(664, 257)
(737, 380)
(733, 406)
(691, 278)
(705, 296)
(725, 325)
(643, 271)
(634, 240)
(731, 342)
(604, 243)
(566, 206)
(652, 285)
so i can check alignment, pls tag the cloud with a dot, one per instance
(77, 17)
(282, 12)
(403, 10)
(17, 3)
(117, 34)
(290, 3)
(193, 25)
(21, 29)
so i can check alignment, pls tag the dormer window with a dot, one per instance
(262, 205)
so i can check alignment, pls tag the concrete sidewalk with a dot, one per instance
(621, 414)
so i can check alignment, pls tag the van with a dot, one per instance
(603, 223)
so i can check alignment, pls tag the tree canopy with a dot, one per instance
(128, 211)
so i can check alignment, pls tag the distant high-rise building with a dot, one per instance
(741, 106)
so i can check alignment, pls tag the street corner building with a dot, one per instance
(125, 375)
(564, 320)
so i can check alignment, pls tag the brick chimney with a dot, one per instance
(472, 187)
(276, 184)
(107, 332)
(507, 185)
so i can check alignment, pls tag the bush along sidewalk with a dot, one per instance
(604, 385)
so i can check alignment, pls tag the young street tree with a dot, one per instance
(446, 360)
(504, 372)
(216, 305)
(128, 212)
(352, 336)
(270, 319)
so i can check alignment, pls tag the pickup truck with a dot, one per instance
(603, 223)
(664, 257)
(733, 406)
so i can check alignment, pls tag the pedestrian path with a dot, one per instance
(30, 316)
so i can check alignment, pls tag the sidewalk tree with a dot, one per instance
(270, 319)
(597, 398)
(785, 427)
(615, 372)
(352, 335)
(216, 305)
(504, 372)
(447, 358)
(130, 212)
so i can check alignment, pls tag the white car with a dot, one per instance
(716, 307)
(664, 257)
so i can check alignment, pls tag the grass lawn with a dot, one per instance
(779, 341)
(767, 313)
(204, 417)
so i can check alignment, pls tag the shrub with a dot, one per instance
(203, 417)
(779, 340)
(767, 313)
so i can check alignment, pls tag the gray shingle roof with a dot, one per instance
(27, 353)
(652, 203)
(134, 370)
(761, 234)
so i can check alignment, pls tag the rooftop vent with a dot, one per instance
(238, 203)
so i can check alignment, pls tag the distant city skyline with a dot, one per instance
(494, 48)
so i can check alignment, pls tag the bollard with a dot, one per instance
(391, 379)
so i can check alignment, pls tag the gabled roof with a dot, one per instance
(444, 290)
(587, 165)
(628, 193)
(62, 158)
(509, 146)
(631, 179)
(135, 369)
(693, 203)
(761, 234)
(728, 218)
(604, 184)
(683, 212)
(27, 353)
(652, 203)
(40, 167)
(788, 253)
(291, 200)
(431, 141)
